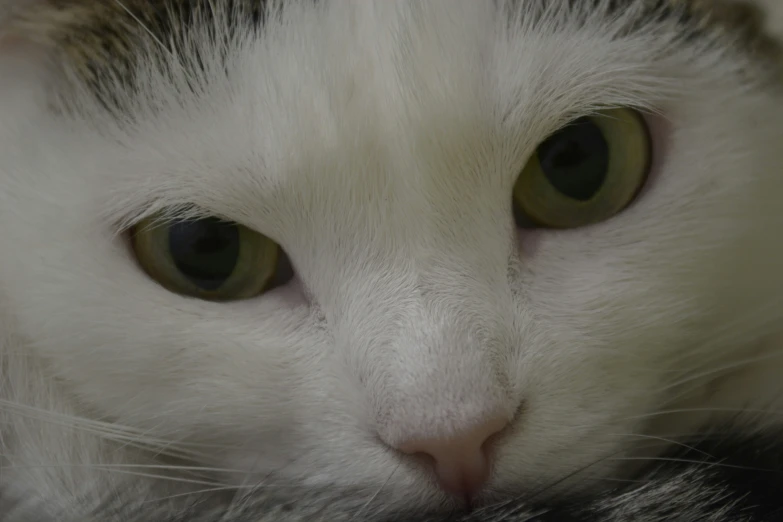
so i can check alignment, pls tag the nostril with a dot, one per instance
(461, 463)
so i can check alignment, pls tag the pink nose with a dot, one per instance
(461, 463)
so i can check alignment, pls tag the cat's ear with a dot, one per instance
(26, 53)
(29, 67)
(7, 7)
(13, 15)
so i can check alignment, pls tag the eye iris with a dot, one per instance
(575, 160)
(205, 251)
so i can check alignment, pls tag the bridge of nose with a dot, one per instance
(442, 376)
(430, 342)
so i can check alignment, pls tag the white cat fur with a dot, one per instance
(378, 143)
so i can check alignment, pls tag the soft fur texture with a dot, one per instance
(378, 143)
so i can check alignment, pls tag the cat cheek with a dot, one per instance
(528, 241)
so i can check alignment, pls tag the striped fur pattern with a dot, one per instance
(101, 41)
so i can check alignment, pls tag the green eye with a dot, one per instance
(209, 258)
(586, 172)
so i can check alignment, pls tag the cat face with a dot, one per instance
(379, 144)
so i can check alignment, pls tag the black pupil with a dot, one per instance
(205, 251)
(575, 159)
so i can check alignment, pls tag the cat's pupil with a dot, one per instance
(205, 251)
(575, 159)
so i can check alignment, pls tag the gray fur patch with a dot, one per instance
(105, 42)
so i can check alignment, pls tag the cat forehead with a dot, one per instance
(107, 42)
(236, 86)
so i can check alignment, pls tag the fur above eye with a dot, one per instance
(586, 172)
(209, 258)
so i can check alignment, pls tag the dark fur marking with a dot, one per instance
(104, 41)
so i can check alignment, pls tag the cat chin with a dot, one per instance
(398, 482)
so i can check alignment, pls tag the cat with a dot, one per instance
(503, 260)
